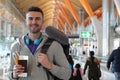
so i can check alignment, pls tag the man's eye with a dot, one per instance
(38, 18)
(30, 18)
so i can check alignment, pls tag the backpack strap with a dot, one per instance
(46, 45)
(44, 50)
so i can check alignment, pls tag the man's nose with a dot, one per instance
(33, 21)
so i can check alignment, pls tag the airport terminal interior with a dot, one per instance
(90, 25)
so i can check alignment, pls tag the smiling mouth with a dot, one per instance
(34, 24)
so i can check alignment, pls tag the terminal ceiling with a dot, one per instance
(55, 11)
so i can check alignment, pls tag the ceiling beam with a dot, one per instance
(19, 1)
(50, 3)
(25, 3)
(17, 10)
(65, 15)
(9, 6)
(87, 7)
(72, 10)
(117, 4)
(62, 21)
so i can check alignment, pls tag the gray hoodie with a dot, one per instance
(55, 54)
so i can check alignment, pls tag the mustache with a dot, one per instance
(34, 25)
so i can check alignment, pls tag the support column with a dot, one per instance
(99, 33)
(111, 28)
(96, 24)
(105, 27)
(112, 13)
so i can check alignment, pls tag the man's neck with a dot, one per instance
(34, 36)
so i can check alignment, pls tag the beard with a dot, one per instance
(35, 28)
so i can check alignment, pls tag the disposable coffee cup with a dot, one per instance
(23, 60)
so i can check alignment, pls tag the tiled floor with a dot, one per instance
(106, 75)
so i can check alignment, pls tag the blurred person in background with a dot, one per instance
(78, 72)
(93, 65)
(114, 58)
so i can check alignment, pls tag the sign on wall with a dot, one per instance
(85, 34)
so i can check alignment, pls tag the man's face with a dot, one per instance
(34, 20)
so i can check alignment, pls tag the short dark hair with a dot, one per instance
(92, 53)
(36, 9)
(77, 65)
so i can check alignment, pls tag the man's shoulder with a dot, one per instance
(47, 40)
(115, 50)
(14, 44)
(17, 41)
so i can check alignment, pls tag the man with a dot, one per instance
(53, 62)
(115, 59)
(93, 65)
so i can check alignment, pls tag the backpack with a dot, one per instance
(45, 48)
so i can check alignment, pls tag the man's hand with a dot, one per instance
(17, 70)
(43, 60)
